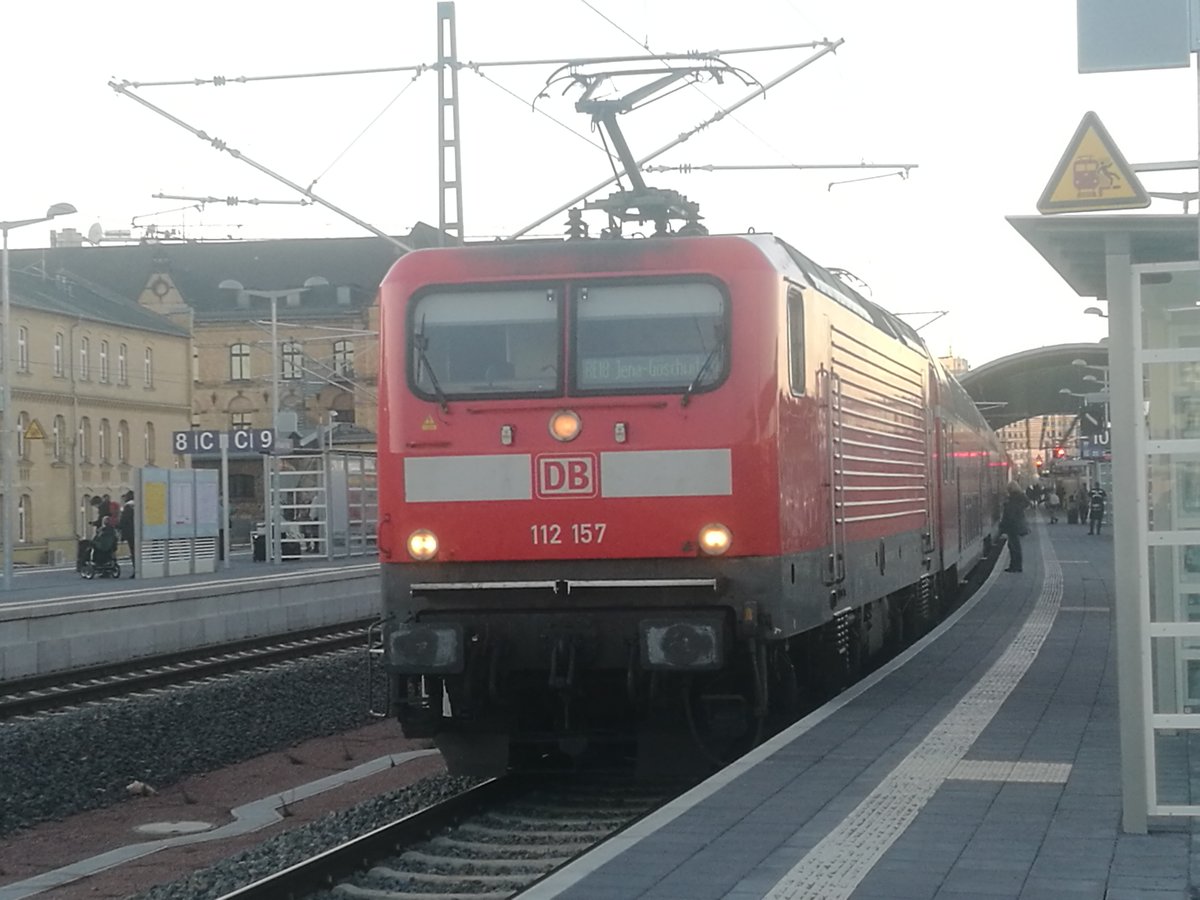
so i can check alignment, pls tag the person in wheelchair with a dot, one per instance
(104, 550)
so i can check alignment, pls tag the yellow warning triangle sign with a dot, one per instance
(1092, 175)
(33, 431)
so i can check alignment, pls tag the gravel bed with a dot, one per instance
(60, 764)
(295, 846)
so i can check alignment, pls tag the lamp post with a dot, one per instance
(271, 511)
(8, 428)
(271, 508)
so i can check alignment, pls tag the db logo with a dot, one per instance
(566, 476)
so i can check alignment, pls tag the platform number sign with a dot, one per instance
(243, 440)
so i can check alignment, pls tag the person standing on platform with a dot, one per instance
(125, 526)
(1052, 505)
(1014, 525)
(1097, 499)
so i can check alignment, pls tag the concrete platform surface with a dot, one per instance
(983, 764)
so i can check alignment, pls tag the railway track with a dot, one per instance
(20, 697)
(489, 842)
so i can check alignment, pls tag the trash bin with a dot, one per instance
(260, 547)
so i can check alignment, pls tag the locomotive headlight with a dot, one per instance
(422, 545)
(715, 539)
(565, 425)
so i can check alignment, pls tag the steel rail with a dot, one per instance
(323, 870)
(61, 689)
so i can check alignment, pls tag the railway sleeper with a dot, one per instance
(513, 865)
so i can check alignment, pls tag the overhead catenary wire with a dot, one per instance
(224, 80)
(535, 108)
(220, 145)
(367, 128)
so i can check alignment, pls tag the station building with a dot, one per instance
(216, 300)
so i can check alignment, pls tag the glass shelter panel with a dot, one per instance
(1176, 753)
(1167, 356)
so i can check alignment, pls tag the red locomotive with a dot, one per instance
(656, 488)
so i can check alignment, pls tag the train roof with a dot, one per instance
(785, 258)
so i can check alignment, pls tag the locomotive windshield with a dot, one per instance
(648, 337)
(479, 343)
(625, 338)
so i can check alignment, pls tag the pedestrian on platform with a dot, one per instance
(1052, 505)
(1014, 525)
(1097, 500)
(125, 526)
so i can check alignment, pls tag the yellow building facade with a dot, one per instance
(98, 385)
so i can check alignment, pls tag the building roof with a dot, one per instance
(69, 294)
(198, 267)
(1030, 383)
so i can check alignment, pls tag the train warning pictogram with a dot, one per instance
(1092, 175)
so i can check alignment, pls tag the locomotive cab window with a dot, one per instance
(795, 313)
(485, 343)
(649, 337)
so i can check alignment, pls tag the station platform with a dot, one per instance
(983, 763)
(53, 620)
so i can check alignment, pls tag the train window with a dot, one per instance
(796, 338)
(649, 337)
(484, 343)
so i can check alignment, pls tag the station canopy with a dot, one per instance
(1030, 383)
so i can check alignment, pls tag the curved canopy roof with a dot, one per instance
(1030, 383)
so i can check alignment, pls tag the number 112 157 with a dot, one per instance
(575, 533)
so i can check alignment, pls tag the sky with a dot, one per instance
(982, 99)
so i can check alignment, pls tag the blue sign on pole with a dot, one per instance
(244, 440)
(1123, 35)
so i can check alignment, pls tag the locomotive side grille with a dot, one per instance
(881, 461)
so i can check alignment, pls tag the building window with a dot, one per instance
(22, 444)
(104, 362)
(240, 421)
(293, 361)
(123, 442)
(123, 365)
(59, 364)
(24, 519)
(239, 362)
(22, 349)
(195, 363)
(102, 442)
(60, 430)
(343, 359)
(148, 443)
(241, 486)
(85, 439)
(85, 350)
(148, 368)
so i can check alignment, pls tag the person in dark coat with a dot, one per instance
(125, 526)
(1014, 525)
(1097, 498)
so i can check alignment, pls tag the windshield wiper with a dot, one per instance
(420, 345)
(708, 360)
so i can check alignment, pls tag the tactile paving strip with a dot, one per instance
(1001, 770)
(836, 866)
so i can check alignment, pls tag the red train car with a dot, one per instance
(655, 487)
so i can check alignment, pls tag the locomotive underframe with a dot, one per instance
(541, 659)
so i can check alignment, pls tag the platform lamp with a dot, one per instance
(8, 432)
